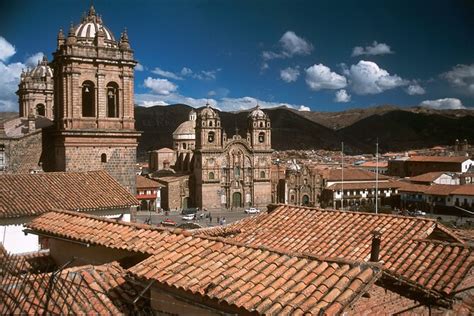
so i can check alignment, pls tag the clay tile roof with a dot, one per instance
(427, 177)
(270, 282)
(467, 189)
(370, 164)
(458, 159)
(113, 234)
(364, 185)
(352, 174)
(144, 182)
(348, 235)
(33, 194)
(98, 290)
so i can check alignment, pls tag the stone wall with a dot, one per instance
(22, 154)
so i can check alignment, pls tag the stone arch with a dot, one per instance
(40, 109)
(88, 99)
(112, 99)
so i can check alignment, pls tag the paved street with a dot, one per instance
(156, 218)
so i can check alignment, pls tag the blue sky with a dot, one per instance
(318, 55)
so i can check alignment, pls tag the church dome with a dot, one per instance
(208, 112)
(90, 25)
(257, 113)
(41, 70)
(185, 128)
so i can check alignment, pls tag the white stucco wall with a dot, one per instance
(15, 241)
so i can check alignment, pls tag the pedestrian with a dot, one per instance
(218, 220)
(210, 218)
(223, 221)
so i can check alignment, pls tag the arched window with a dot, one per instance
(210, 137)
(112, 100)
(184, 145)
(88, 99)
(261, 137)
(261, 124)
(262, 174)
(211, 175)
(40, 109)
(210, 123)
(237, 171)
(103, 158)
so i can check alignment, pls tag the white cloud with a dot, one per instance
(7, 50)
(342, 96)
(461, 76)
(415, 89)
(186, 71)
(443, 104)
(367, 77)
(290, 45)
(33, 60)
(139, 67)
(9, 79)
(374, 49)
(303, 108)
(160, 86)
(289, 74)
(166, 74)
(224, 104)
(320, 77)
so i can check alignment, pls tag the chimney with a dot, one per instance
(375, 251)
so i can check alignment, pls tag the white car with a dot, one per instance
(188, 217)
(252, 210)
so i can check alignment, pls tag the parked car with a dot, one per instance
(419, 213)
(191, 210)
(189, 217)
(168, 222)
(252, 210)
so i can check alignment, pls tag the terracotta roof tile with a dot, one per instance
(33, 194)
(406, 253)
(447, 159)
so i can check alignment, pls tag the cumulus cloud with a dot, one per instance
(139, 67)
(374, 49)
(289, 74)
(200, 75)
(342, 96)
(303, 108)
(160, 86)
(320, 77)
(290, 45)
(186, 71)
(367, 77)
(224, 104)
(461, 76)
(33, 60)
(7, 50)
(415, 89)
(166, 74)
(443, 104)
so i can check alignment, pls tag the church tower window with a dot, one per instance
(112, 100)
(211, 175)
(40, 110)
(262, 174)
(103, 158)
(261, 137)
(88, 99)
(210, 137)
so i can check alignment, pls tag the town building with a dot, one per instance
(159, 158)
(303, 185)
(374, 166)
(148, 194)
(184, 142)
(25, 196)
(416, 165)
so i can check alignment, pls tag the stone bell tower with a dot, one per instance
(94, 101)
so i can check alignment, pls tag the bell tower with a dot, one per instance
(94, 101)
(208, 129)
(259, 129)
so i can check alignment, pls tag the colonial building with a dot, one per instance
(232, 172)
(184, 141)
(148, 193)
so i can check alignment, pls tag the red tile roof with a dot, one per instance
(258, 279)
(98, 290)
(33, 194)
(447, 159)
(348, 235)
(438, 189)
(364, 185)
(244, 277)
(144, 183)
(370, 164)
(351, 174)
(427, 177)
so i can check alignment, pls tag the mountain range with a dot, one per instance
(396, 128)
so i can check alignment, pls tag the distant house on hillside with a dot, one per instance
(25, 196)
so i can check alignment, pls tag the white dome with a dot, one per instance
(90, 25)
(257, 113)
(41, 70)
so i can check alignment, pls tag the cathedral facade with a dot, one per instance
(231, 172)
(88, 92)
